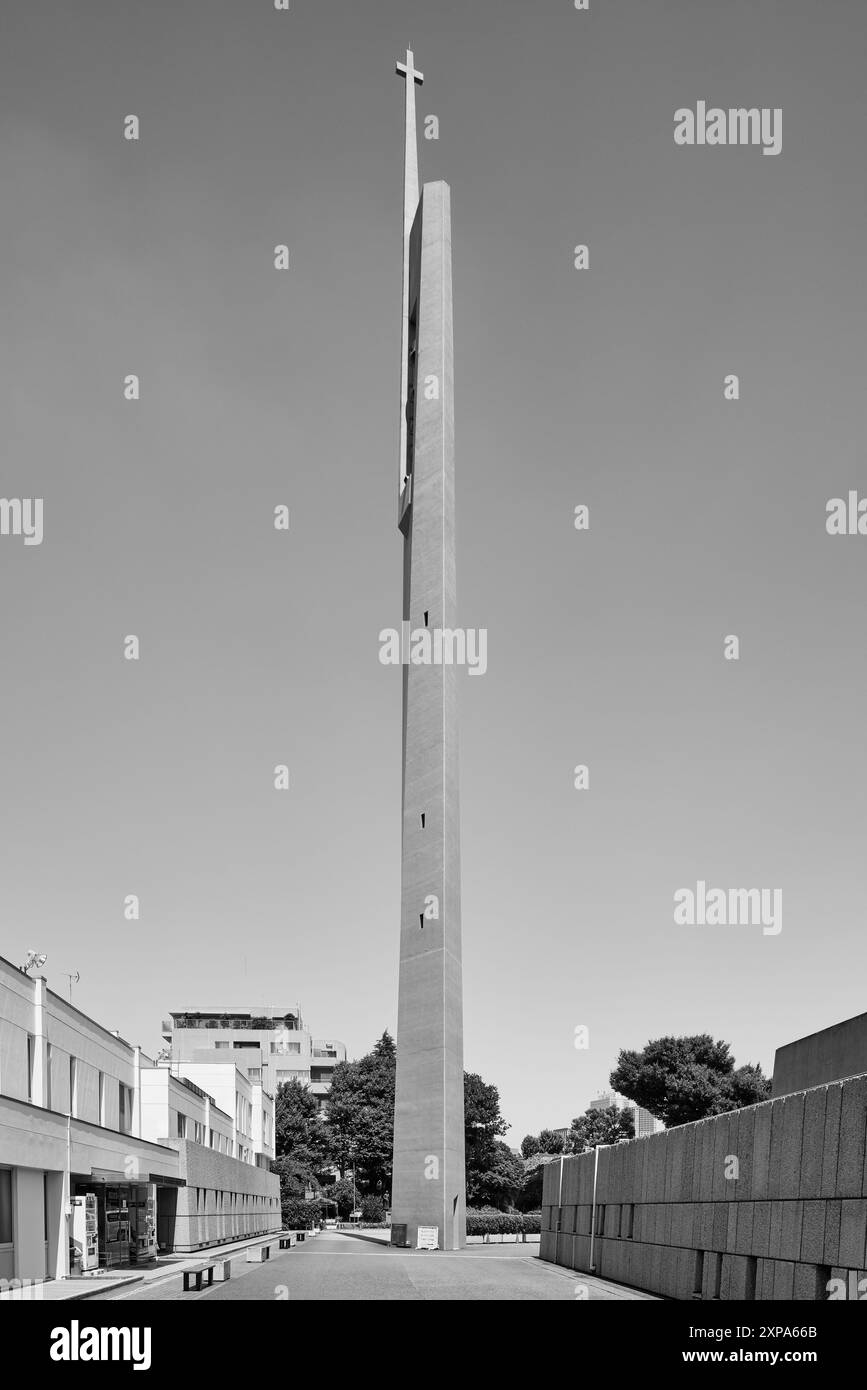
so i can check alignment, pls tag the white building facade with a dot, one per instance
(271, 1045)
(86, 1118)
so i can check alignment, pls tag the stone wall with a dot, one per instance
(223, 1200)
(790, 1217)
(830, 1055)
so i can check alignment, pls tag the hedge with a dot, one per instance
(300, 1215)
(502, 1223)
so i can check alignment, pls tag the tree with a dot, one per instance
(684, 1079)
(483, 1125)
(295, 1178)
(530, 1145)
(299, 1215)
(747, 1085)
(360, 1125)
(551, 1143)
(600, 1125)
(499, 1181)
(530, 1196)
(298, 1128)
(343, 1193)
(360, 1120)
(372, 1209)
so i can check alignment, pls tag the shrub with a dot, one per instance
(501, 1223)
(299, 1215)
(372, 1210)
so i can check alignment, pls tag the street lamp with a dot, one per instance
(34, 961)
(351, 1153)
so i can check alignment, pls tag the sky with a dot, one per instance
(601, 387)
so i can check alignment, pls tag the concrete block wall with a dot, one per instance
(223, 1199)
(769, 1202)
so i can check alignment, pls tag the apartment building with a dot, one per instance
(273, 1046)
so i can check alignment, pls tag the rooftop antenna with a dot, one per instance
(73, 980)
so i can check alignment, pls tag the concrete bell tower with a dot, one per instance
(428, 1184)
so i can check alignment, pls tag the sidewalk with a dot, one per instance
(88, 1285)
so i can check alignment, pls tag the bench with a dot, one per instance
(207, 1267)
(287, 1240)
(197, 1273)
(257, 1253)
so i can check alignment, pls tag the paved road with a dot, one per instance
(340, 1267)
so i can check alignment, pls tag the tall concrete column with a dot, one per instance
(428, 1183)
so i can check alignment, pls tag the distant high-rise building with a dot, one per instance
(271, 1046)
(644, 1122)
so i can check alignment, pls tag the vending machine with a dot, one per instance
(85, 1239)
(114, 1234)
(143, 1232)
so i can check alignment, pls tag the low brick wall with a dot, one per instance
(769, 1202)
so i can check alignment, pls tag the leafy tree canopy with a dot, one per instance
(600, 1125)
(360, 1119)
(688, 1078)
(551, 1142)
(499, 1182)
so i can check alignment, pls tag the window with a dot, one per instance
(73, 1085)
(221, 1044)
(31, 1064)
(6, 1233)
(254, 1073)
(124, 1108)
(182, 1126)
(102, 1097)
(48, 1076)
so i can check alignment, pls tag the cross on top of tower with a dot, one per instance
(409, 67)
